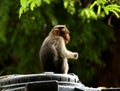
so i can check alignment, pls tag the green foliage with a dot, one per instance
(87, 14)
(70, 6)
(30, 4)
(106, 6)
(94, 40)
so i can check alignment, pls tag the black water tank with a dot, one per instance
(47, 81)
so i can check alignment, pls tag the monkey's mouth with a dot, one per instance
(66, 41)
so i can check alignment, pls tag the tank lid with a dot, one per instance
(19, 78)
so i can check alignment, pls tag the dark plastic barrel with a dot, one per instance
(47, 81)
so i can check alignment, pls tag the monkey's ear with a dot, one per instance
(56, 31)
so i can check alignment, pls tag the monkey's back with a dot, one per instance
(49, 57)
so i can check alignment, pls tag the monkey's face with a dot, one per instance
(61, 30)
(65, 34)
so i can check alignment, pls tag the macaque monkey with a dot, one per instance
(53, 52)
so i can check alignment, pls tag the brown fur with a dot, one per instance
(53, 53)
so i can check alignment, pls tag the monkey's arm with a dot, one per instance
(71, 55)
(66, 53)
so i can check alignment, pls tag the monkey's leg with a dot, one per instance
(65, 66)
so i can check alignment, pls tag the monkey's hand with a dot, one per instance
(75, 55)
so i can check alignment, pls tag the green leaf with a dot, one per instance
(106, 10)
(20, 11)
(93, 14)
(23, 3)
(103, 1)
(38, 2)
(92, 5)
(113, 8)
(47, 1)
(118, 16)
(87, 13)
(29, 1)
(99, 10)
(65, 4)
(117, 9)
(32, 5)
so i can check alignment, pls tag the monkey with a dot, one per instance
(53, 52)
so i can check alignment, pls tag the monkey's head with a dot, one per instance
(61, 30)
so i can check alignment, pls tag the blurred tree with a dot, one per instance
(88, 20)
